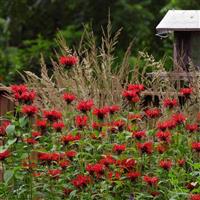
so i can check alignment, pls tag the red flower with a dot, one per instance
(133, 175)
(152, 113)
(131, 96)
(170, 103)
(36, 134)
(179, 118)
(68, 97)
(69, 138)
(127, 164)
(146, 147)
(42, 124)
(161, 149)
(81, 181)
(136, 87)
(164, 136)
(29, 110)
(165, 164)
(81, 121)
(98, 169)
(30, 141)
(186, 91)
(49, 157)
(113, 109)
(107, 160)
(181, 162)
(58, 126)
(68, 60)
(119, 148)
(97, 126)
(101, 112)
(168, 124)
(3, 127)
(152, 181)
(52, 115)
(119, 124)
(134, 117)
(139, 134)
(55, 173)
(194, 197)
(196, 146)
(4, 154)
(64, 164)
(18, 88)
(85, 106)
(192, 127)
(114, 176)
(71, 154)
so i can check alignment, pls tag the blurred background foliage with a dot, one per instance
(29, 28)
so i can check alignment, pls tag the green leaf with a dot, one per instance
(8, 176)
(23, 121)
(11, 141)
(10, 130)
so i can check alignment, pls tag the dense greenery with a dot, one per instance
(28, 27)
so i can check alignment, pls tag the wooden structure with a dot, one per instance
(185, 24)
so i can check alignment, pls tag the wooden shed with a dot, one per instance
(185, 24)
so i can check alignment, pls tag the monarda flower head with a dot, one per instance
(164, 136)
(146, 147)
(133, 175)
(113, 109)
(81, 181)
(196, 146)
(58, 126)
(168, 124)
(179, 118)
(70, 138)
(52, 115)
(97, 169)
(181, 162)
(3, 127)
(151, 181)
(4, 154)
(81, 121)
(136, 87)
(139, 134)
(165, 164)
(18, 88)
(131, 96)
(101, 112)
(192, 127)
(85, 106)
(71, 154)
(127, 164)
(194, 197)
(42, 124)
(107, 160)
(160, 148)
(170, 103)
(152, 112)
(119, 148)
(119, 124)
(185, 91)
(68, 97)
(54, 173)
(68, 61)
(29, 110)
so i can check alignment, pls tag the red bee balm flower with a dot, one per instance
(71, 154)
(52, 115)
(68, 97)
(29, 110)
(101, 112)
(58, 126)
(30, 141)
(55, 173)
(179, 118)
(113, 109)
(192, 127)
(139, 134)
(131, 96)
(164, 136)
(95, 168)
(18, 88)
(194, 197)
(170, 103)
(160, 148)
(4, 154)
(186, 91)
(85, 106)
(68, 61)
(119, 124)
(133, 175)
(165, 164)
(152, 181)
(119, 148)
(64, 164)
(168, 124)
(69, 138)
(181, 162)
(42, 124)
(81, 121)
(81, 181)
(196, 146)
(107, 160)
(146, 147)
(152, 113)
(136, 87)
